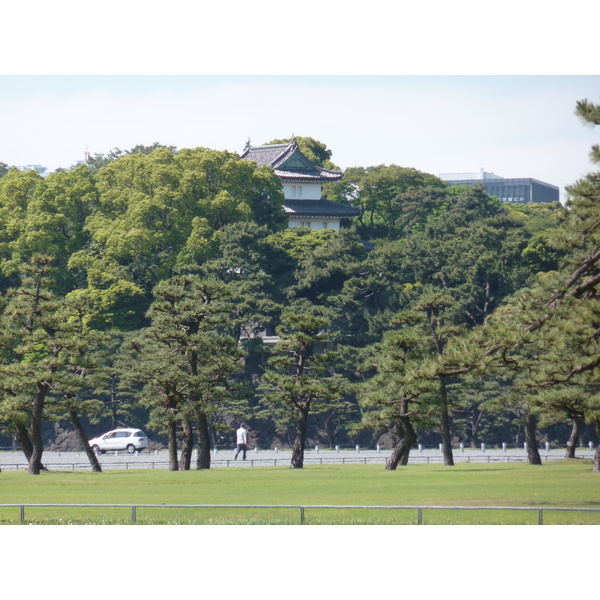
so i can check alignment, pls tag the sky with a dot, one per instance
(437, 86)
(510, 125)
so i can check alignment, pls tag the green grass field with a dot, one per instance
(557, 484)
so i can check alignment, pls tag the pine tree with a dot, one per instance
(300, 379)
(184, 360)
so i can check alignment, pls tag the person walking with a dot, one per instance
(242, 441)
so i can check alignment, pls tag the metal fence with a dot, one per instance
(274, 462)
(133, 508)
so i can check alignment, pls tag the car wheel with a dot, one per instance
(96, 449)
(131, 448)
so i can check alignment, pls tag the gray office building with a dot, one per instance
(521, 191)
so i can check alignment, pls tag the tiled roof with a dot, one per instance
(277, 155)
(319, 208)
(265, 155)
(318, 174)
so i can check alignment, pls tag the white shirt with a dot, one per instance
(242, 436)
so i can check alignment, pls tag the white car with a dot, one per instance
(120, 439)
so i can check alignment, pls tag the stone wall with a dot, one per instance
(63, 440)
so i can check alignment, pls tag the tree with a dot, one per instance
(46, 346)
(381, 193)
(300, 379)
(17, 190)
(185, 361)
(435, 311)
(97, 161)
(325, 266)
(55, 223)
(46, 216)
(158, 213)
(549, 332)
(157, 366)
(84, 371)
(243, 263)
(390, 396)
(4, 169)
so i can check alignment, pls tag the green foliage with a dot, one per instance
(242, 262)
(4, 169)
(300, 379)
(545, 339)
(386, 196)
(97, 161)
(158, 212)
(464, 316)
(183, 361)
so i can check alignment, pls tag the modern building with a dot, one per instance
(43, 171)
(302, 186)
(522, 191)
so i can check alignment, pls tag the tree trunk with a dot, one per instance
(401, 452)
(475, 424)
(297, 461)
(83, 440)
(187, 444)
(24, 440)
(113, 405)
(533, 453)
(445, 425)
(410, 436)
(35, 461)
(597, 454)
(172, 433)
(203, 460)
(395, 456)
(578, 424)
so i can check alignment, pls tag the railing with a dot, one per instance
(265, 462)
(301, 508)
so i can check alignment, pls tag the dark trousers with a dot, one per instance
(241, 448)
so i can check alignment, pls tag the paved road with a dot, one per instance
(255, 458)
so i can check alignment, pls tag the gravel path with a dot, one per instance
(256, 458)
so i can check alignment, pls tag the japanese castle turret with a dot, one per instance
(302, 183)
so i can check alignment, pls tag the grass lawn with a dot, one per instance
(556, 484)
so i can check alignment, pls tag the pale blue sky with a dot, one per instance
(514, 126)
(379, 83)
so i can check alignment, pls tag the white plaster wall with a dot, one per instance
(320, 223)
(302, 191)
